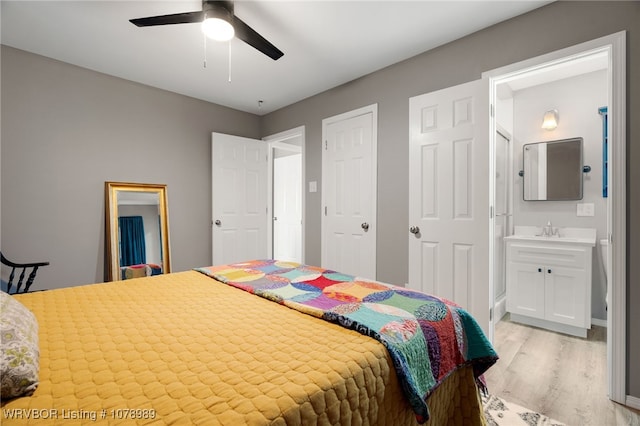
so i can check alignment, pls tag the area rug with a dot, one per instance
(499, 412)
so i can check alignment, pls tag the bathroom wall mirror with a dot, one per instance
(553, 170)
(137, 230)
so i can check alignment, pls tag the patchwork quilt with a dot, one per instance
(427, 337)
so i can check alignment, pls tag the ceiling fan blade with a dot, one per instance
(176, 18)
(252, 38)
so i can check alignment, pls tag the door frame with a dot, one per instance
(278, 140)
(615, 47)
(369, 109)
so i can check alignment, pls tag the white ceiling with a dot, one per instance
(564, 69)
(325, 43)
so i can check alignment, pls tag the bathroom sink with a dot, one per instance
(567, 235)
(551, 239)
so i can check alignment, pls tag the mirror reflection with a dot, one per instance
(553, 170)
(137, 231)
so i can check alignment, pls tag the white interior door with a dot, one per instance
(349, 192)
(239, 199)
(449, 209)
(287, 206)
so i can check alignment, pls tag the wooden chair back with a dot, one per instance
(22, 268)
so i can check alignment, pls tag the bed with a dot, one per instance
(140, 270)
(201, 347)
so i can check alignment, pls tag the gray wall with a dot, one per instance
(558, 25)
(66, 130)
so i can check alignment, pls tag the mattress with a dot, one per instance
(183, 348)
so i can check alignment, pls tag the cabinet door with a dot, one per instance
(566, 297)
(525, 290)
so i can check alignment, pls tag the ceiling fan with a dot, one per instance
(218, 22)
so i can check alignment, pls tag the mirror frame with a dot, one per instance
(579, 171)
(112, 254)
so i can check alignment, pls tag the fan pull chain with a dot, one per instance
(204, 53)
(229, 61)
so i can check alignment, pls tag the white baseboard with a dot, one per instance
(633, 402)
(500, 309)
(599, 322)
(550, 325)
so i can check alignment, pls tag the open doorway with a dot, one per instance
(286, 195)
(567, 76)
(287, 203)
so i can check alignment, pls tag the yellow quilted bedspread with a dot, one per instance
(185, 349)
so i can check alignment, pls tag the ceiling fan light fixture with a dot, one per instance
(218, 22)
(217, 29)
(217, 25)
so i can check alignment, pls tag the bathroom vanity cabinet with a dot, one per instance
(549, 282)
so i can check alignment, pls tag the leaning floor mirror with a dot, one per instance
(137, 230)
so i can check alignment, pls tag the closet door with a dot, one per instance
(449, 234)
(239, 199)
(349, 182)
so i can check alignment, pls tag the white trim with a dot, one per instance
(615, 46)
(617, 207)
(599, 322)
(633, 402)
(500, 309)
(277, 141)
(369, 109)
(283, 146)
(549, 325)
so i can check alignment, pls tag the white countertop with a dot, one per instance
(585, 236)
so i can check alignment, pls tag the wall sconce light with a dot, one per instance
(550, 119)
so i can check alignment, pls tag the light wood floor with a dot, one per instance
(561, 376)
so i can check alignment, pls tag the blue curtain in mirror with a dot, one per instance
(605, 152)
(132, 245)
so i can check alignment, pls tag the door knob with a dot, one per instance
(365, 226)
(414, 230)
(217, 222)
